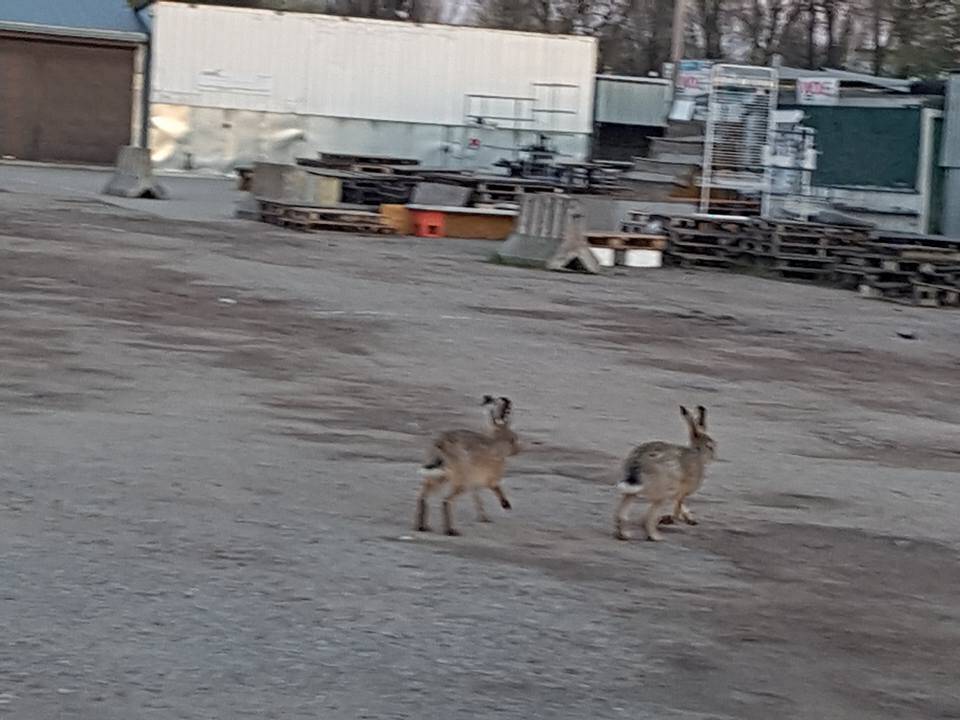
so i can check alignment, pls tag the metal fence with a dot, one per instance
(739, 132)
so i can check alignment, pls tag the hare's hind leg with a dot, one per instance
(650, 520)
(428, 486)
(481, 513)
(682, 512)
(504, 503)
(622, 515)
(448, 510)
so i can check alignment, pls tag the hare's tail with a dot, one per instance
(433, 468)
(631, 483)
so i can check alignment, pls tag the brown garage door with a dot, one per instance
(64, 101)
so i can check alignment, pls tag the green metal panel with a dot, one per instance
(865, 146)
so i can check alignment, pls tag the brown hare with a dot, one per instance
(467, 460)
(665, 473)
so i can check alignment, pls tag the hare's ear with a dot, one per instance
(691, 421)
(487, 400)
(504, 411)
(702, 417)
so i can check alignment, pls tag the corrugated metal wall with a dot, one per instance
(632, 101)
(244, 59)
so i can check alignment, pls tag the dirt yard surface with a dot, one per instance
(209, 434)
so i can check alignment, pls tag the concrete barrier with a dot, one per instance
(247, 208)
(439, 194)
(294, 185)
(133, 175)
(549, 233)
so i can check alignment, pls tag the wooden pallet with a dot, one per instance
(799, 260)
(373, 169)
(492, 192)
(312, 219)
(949, 271)
(347, 160)
(694, 259)
(734, 207)
(700, 248)
(934, 295)
(793, 271)
(936, 243)
(626, 240)
(715, 225)
(799, 238)
(875, 273)
(789, 227)
(895, 291)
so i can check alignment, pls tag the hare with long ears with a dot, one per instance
(467, 460)
(665, 473)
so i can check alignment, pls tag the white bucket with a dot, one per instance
(643, 258)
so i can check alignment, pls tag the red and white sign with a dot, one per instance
(693, 77)
(818, 91)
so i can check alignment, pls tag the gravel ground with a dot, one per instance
(209, 433)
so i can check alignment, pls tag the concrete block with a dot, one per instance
(549, 233)
(133, 175)
(441, 194)
(247, 208)
(295, 185)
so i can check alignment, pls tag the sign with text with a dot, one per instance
(693, 77)
(818, 91)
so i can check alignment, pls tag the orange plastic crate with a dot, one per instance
(429, 223)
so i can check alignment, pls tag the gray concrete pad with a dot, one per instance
(210, 431)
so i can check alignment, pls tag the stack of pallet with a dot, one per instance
(367, 180)
(907, 268)
(380, 164)
(801, 250)
(919, 269)
(707, 242)
(318, 219)
(494, 192)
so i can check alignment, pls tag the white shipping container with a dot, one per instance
(322, 65)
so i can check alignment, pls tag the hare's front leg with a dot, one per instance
(504, 503)
(481, 513)
(683, 513)
(448, 510)
(680, 512)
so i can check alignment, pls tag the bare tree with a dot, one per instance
(712, 18)
(880, 37)
(925, 36)
(903, 36)
(765, 24)
(513, 15)
(812, 10)
(414, 10)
